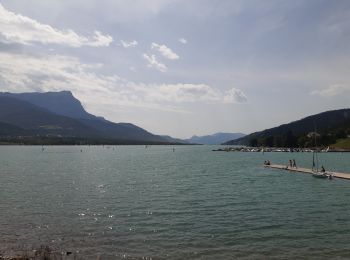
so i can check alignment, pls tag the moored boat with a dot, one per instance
(321, 175)
(316, 172)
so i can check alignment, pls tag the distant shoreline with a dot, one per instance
(77, 141)
(279, 149)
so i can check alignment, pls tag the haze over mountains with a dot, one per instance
(217, 138)
(61, 114)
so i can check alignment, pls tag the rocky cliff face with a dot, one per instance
(61, 103)
(61, 114)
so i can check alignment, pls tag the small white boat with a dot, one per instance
(321, 175)
(316, 173)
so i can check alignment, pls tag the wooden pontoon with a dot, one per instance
(339, 175)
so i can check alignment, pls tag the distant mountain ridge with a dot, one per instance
(38, 120)
(61, 114)
(61, 103)
(330, 125)
(174, 140)
(217, 138)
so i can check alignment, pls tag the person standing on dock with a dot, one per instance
(267, 162)
(294, 165)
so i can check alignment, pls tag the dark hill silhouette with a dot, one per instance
(60, 113)
(61, 103)
(8, 130)
(39, 120)
(121, 130)
(331, 123)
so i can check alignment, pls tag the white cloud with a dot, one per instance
(131, 44)
(180, 93)
(183, 40)
(235, 96)
(153, 63)
(99, 40)
(23, 73)
(16, 28)
(165, 51)
(331, 91)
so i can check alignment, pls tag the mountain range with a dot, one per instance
(217, 138)
(60, 114)
(328, 126)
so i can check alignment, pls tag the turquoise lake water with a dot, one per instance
(128, 202)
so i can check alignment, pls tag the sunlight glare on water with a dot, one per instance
(131, 202)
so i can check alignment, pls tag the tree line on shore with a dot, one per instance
(289, 139)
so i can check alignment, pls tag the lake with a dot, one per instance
(132, 202)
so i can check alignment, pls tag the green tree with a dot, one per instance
(269, 141)
(290, 140)
(303, 141)
(278, 141)
(253, 142)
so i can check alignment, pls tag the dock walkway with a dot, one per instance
(339, 175)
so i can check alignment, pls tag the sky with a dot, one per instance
(182, 67)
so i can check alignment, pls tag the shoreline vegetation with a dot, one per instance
(330, 129)
(38, 140)
(279, 149)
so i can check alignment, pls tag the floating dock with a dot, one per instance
(339, 175)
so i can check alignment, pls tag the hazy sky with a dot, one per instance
(182, 67)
